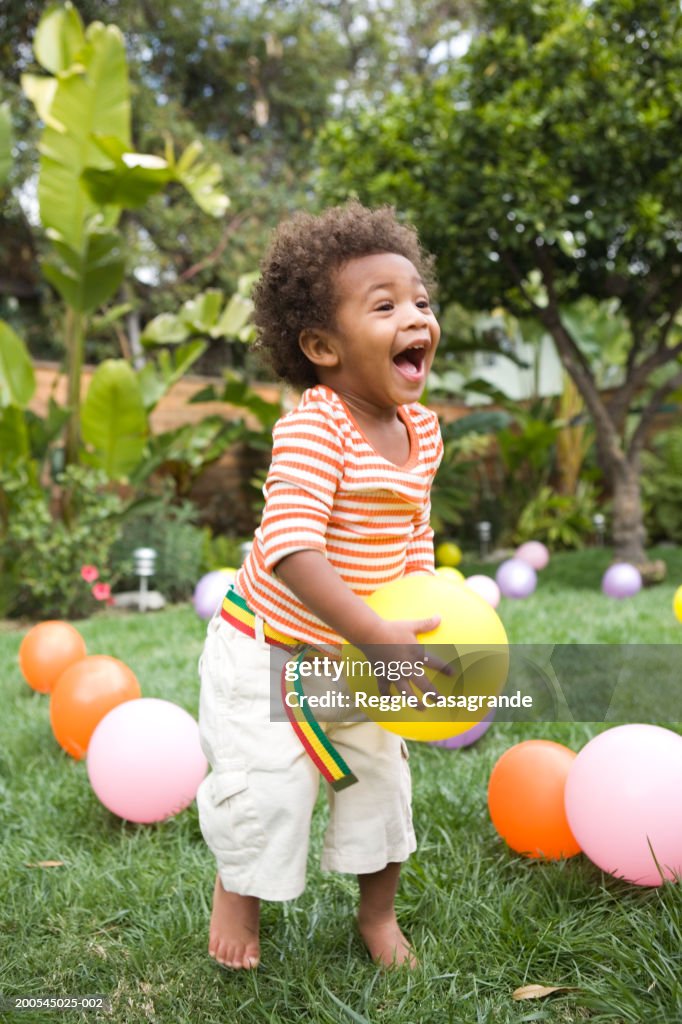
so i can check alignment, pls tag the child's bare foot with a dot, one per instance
(386, 943)
(233, 934)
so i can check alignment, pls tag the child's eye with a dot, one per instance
(423, 303)
(385, 306)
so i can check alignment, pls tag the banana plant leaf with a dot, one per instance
(113, 419)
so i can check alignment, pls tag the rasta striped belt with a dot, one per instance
(314, 740)
(236, 611)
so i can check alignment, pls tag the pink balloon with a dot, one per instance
(485, 587)
(623, 802)
(210, 591)
(533, 552)
(621, 580)
(145, 762)
(516, 578)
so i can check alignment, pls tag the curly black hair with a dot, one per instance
(296, 288)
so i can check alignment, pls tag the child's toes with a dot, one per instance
(251, 959)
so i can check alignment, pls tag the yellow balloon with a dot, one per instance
(470, 638)
(448, 553)
(454, 575)
(677, 604)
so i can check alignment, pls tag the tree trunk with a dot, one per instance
(621, 468)
(74, 341)
(629, 534)
(136, 349)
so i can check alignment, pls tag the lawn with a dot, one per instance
(125, 913)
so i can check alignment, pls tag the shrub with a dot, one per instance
(558, 520)
(42, 556)
(170, 528)
(462, 491)
(221, 552)
(662, 486)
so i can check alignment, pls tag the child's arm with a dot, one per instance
(419, 555)
(319, 587)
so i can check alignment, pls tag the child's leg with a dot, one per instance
(377, 921)
(370, 831)
(233, 934)
(255, 804)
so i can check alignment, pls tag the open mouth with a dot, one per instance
(410, 362)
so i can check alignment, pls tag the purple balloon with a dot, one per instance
(621, 580)
(210, 590)
(467, 738)
(516, 578)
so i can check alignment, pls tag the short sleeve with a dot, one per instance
(304, 475)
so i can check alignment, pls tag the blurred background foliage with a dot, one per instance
(514, 135)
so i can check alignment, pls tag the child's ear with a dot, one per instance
(318, 347)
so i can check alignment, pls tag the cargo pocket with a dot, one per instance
(229, 818)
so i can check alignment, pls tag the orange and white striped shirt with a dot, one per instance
(329, 490)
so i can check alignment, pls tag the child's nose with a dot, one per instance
(415, 315)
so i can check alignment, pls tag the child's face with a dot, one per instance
(385, 333)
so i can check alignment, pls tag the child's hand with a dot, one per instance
(398, 641)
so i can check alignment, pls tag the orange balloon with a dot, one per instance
(47, 650)
(83, 695)
(526, 799)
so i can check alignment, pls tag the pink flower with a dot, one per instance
(89, 573)
(101, 591)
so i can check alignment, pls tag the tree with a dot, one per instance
(257, 80)
(89, 174)
(544, 168)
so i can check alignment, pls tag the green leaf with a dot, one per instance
(201, 179)
(165, 329)
(193, 445)
(43, 430)
(88, 277)
(131, 181)
(201, 313)
(184, 357)
(196, 443)
(14, 440)
(246, 282)
(111, 316)
(484, 387)
(156, 379)
(113, 419)
(5, 142)
(233, 318)
(40, 91)
(17, 379)
(152, 385)
(481, 423)
(59, 38)
(95, 101)
(237, 392)
(206, 394)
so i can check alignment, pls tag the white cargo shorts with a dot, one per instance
(256, 803)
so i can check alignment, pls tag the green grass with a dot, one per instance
(126, 915)
(568, 606)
